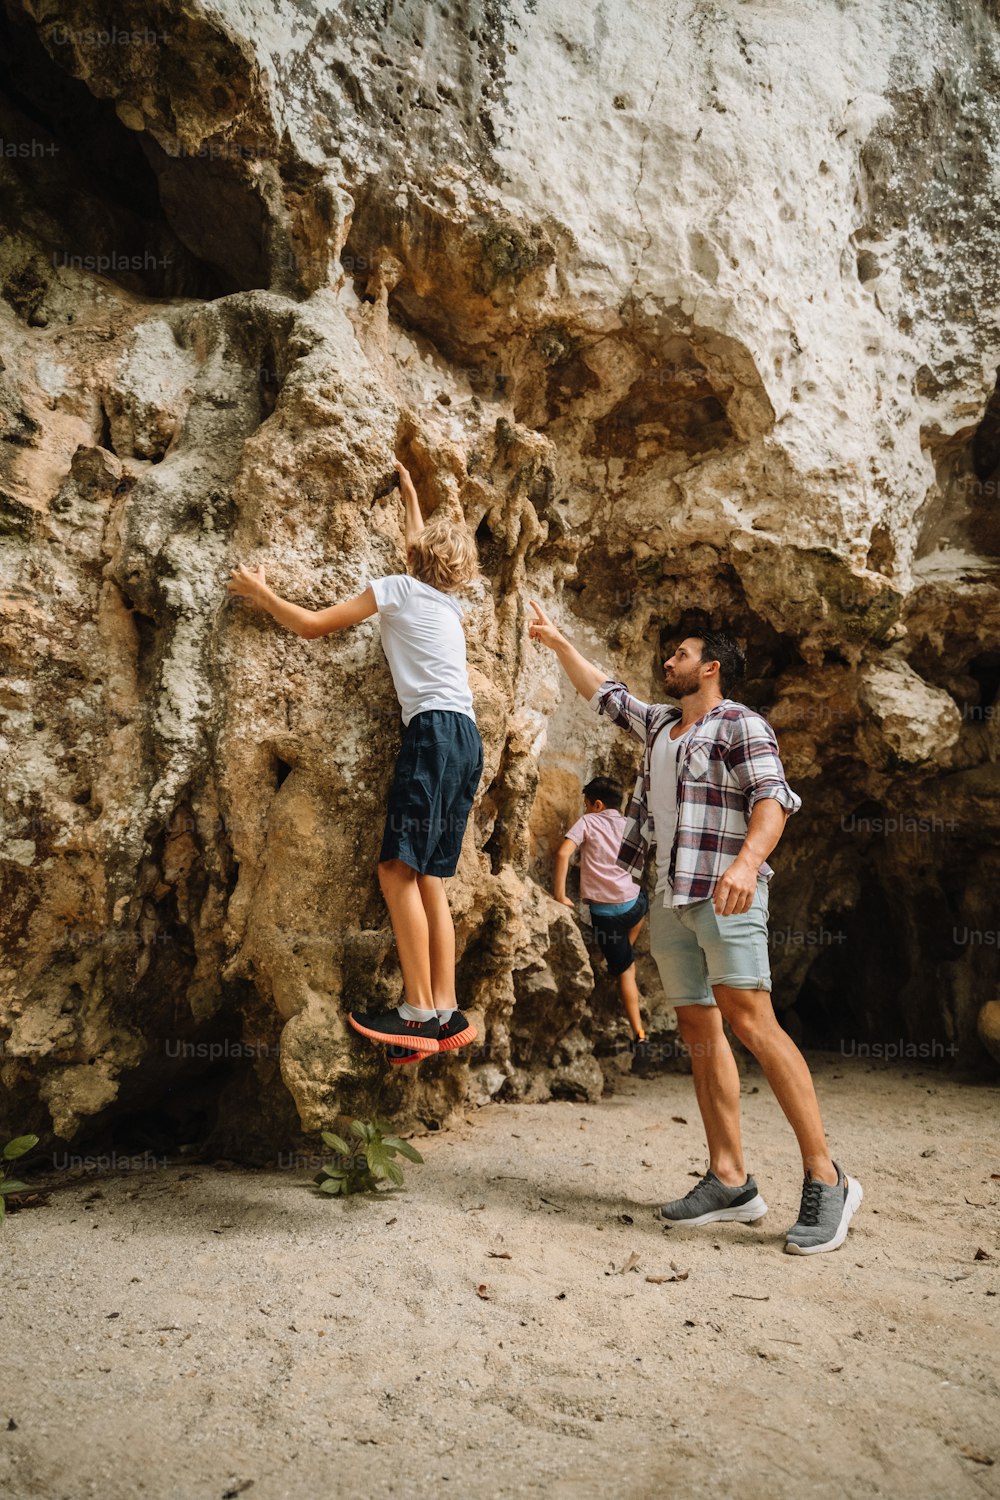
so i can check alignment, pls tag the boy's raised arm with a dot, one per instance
(413, 521)
(583, 674)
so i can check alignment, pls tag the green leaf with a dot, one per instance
(405, 1149)
(377, 1158)
(358, 1127)
(3, 1207)
(332, 1185)
(336, 1143)
(395, 1173)
(8, 1185)
(18, 1146)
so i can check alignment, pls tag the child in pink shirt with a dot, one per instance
(617, 905)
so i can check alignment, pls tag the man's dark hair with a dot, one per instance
(718, 645)
(603, 789)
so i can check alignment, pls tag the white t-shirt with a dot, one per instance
(663, 804)
(424, 644)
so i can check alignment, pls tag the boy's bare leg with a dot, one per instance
(634, 931)
(441, 940)
(409, 924)
(629, 992)
(716, 1087)
(751, 1015)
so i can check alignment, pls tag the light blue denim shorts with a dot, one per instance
(695, 949)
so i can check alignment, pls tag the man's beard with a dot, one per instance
(681, 687)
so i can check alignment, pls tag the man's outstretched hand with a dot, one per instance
(248, 583)
(541, 628)
(583, 674)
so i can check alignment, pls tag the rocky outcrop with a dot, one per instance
(689, 333)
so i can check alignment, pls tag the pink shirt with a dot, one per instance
(601, 876)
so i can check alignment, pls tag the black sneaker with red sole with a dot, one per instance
(390, 1027)
(458, 1032)
(402, 1055)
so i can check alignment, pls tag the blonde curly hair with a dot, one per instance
(444, 554)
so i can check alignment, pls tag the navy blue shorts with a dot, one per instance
(437, 772)
(611, 934)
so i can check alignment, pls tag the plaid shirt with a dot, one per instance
(727, 761)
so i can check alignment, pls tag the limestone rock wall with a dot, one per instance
(689, 309)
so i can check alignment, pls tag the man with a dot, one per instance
(712, 799)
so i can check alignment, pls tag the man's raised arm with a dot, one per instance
(583, 674)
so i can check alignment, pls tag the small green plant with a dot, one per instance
(19, 1146)
(365, 1163)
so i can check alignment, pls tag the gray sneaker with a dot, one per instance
(825, 1214)
(711, 1200)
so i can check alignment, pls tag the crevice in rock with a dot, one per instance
(16, 518)
(672, 409)
(84, 191)
(201, 1086)
(879, 975)
(484, 957)
(984, 670)
(103, 438)
(964, 513)
(150, 635)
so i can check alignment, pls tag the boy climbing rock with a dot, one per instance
(438, 767)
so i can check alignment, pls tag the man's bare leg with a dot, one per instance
(716, 1087)
(751, 1015)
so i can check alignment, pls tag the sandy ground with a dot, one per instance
(197, 1333)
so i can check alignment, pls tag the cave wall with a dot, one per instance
(690, 310)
